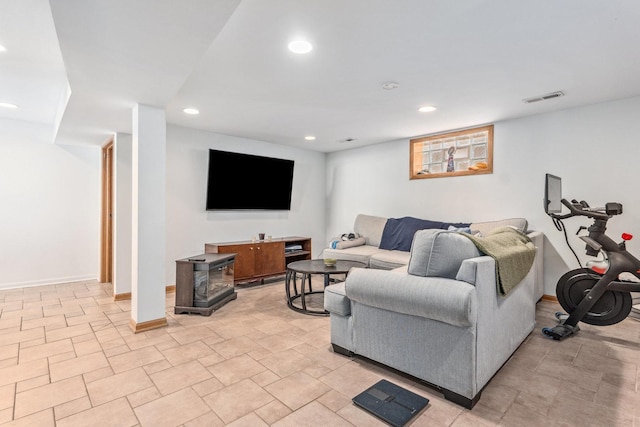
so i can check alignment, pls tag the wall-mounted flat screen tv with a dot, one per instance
(238, 181)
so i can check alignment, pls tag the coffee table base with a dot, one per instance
(306, 269)
(291, 278)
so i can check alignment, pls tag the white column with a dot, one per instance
(122, 217)
(148, 231)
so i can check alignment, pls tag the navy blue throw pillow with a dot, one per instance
(398, 232)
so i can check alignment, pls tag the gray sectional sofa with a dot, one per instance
(440, 318)
(371, 229)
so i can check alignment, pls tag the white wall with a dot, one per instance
(50, 213)
(595, 149)
(190, 226)
(122, 219)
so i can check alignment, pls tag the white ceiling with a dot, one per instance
(476, 60)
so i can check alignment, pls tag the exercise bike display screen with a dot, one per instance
(552, 194)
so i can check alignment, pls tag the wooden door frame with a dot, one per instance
(106, 215)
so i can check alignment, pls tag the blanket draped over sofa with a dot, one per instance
(513, 251)
(398, 232)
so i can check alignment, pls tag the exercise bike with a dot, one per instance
(594, 294)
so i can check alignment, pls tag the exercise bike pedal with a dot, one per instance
(560, 332)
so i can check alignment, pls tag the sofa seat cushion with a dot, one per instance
(446, 300)
(388, 260)
(357, 253)
(336, 301)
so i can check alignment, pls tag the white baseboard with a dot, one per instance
(51, 281)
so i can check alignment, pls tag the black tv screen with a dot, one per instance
(238, 181)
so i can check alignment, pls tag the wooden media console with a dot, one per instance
(257, 260)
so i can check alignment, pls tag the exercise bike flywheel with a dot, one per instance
(611, 308)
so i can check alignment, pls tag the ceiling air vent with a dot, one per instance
(543, 97)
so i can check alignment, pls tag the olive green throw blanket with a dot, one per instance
(513, 251)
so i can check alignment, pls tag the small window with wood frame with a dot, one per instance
(465, 152)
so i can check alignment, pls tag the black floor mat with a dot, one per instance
(391, 403)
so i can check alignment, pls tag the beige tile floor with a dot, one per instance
(68, 358)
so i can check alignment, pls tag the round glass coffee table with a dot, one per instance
(305, 269)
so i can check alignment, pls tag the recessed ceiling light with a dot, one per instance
(310, 138)
(8, 105)
(191, 111)
(2, 48)
(300, 46)
(427, 109)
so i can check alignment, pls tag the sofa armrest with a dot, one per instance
(503, 321)
(436, 298)
(537, 238)
(468, 273)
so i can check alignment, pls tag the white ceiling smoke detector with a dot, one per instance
(390, 85)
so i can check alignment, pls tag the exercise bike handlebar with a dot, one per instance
(579, 209)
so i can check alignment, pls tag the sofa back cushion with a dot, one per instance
(370, 227)
(439, 253)
(485, 227)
